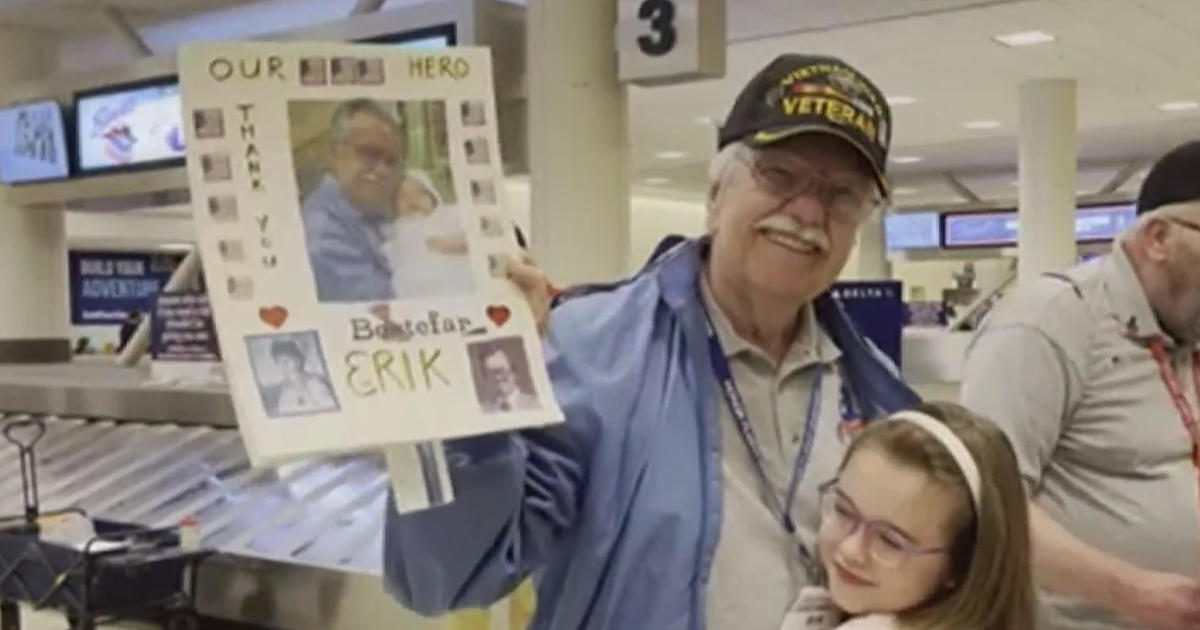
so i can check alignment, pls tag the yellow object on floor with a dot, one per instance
(520, 612)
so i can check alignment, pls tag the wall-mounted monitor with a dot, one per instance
(913, 230)
(999, 229)
(33, 143)
(439, 36)
(129, 127)
(979, 229)
(1103, 223)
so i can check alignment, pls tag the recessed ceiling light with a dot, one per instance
(671, 155)
(904, 191)
(906, 159)
(656, 181)
(979, 125)
(1178, 106)
(901, 100)
(1024, 38)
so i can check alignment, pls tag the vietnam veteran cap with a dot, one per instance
(798, 94)
(1175, 178)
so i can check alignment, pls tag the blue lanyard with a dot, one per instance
(737, 407)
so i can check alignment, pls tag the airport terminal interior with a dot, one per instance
(1022, 131)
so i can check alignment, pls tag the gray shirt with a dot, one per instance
(757, 571)
(1065, 369)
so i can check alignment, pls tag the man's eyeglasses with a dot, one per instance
(847, 200)
(1193, 226)
(887, 545)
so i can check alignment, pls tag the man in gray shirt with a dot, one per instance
(1094, 373)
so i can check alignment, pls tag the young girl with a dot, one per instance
(926, 527)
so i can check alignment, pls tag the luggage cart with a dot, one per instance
(124, 572)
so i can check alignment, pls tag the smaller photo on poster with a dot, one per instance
(210, 123)
(492, 226)
(344, 70)
(232, 250)
(216, 167)
(483, 191)
(240, 288)
(474, 114)
(500, 368)
(477, 151)
(223, 208)
(291, 374)
(370, 71)
(312, 71)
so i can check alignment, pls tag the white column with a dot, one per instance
(579, 151)
(872, 263)
(33, 250)
(1049, 145)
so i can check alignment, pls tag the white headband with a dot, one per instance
(947, 438)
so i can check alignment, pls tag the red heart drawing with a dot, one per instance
(382, 311)
(498, 314)
(274, 316)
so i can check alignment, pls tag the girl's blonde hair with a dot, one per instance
(991, 584)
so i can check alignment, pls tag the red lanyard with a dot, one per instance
(1174, 387)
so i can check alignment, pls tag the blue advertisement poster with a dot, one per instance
(107, 286)
(878, 311)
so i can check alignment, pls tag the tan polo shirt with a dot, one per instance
(1070, 378)
(757, 572)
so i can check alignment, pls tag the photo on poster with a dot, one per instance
(223, 209)
(377, 200)
(476, 150)
(232, 250)
(240, 288)
(210, 123)
(483, 191)
(216, 167)
(312, 71)
(492, 226)
(370, 71)
(500, 370)
(291, 374)
(474, 114)
(344, 70)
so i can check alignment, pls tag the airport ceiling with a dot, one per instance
(1131, 58)
(83, 16)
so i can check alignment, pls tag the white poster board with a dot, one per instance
(347, 201)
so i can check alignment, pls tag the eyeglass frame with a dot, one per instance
(908, 551)
(870, 204)
(1185, 223)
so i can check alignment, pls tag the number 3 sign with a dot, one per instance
(671, 41)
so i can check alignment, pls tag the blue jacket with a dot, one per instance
(345, 248)
(618, 510)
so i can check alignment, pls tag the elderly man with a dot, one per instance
(1093, 373)
(348, 217)
(703, 398)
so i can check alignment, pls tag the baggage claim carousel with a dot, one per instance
(298, 545)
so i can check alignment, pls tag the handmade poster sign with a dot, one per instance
(345, 198)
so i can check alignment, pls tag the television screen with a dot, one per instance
(117, 128)
(33, 145)
(917, 230)
(439, 36)
(980, 229)
(1103, 223)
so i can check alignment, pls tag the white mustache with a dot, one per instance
(810, 235)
